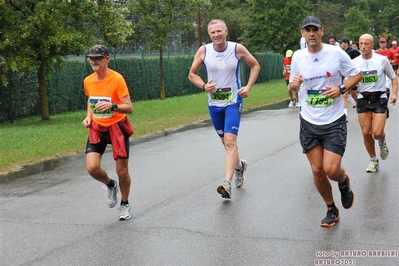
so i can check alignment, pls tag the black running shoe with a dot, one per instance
(331, 218)
(347, 195)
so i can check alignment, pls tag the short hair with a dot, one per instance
(333, 37)
(216, 21)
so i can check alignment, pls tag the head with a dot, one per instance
(394, 44)
(312, 31)
(332, 40)
(383, 43)
(217, 31)
(366, 44)
(344, 43)
(98, 57)
(355, 45)
(289, 53)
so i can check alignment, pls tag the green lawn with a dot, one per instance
(31, 140)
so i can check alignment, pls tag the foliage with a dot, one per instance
(274, 24)
(357, 24)
(38, 35)
(157, 20)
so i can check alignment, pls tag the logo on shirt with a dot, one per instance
(316, 60)
(326, 76)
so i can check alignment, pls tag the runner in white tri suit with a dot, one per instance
(221, 61)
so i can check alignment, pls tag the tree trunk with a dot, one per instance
(43, 93)
(162, 72)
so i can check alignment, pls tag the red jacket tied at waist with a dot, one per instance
(117, 134)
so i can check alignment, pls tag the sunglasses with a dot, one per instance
(96, 58)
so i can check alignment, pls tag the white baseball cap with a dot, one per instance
(394, 42)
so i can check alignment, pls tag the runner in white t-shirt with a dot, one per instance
(319, 69)
(372, 103)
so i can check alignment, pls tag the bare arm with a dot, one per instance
(250, 60)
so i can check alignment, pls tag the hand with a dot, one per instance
(332, 92)
(392, 99)
(103, 106)
(244, 92)
(210, 87)
(86, 122)
(295, 84)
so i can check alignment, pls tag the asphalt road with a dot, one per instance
(60, 217)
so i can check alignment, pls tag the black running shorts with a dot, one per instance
(378, 106)
(331, 136)
(105, 139)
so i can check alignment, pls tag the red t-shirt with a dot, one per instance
(287, 67)
(395, 51)
(388, 53)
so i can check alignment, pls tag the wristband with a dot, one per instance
(342, 88)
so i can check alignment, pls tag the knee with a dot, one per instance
(93, 170)
(123, 173)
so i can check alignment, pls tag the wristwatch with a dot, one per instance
(114, 107)
(203, 87)
(342, 88)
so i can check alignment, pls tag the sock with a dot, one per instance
(239, 165)
(379, 142)
(343, 183)
(124, 202)
(227, 181)
(111, 183)
(332, 205)
(373, 159)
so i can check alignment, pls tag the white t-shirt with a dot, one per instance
(321, 69)
(375, 71)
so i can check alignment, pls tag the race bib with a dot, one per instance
(370, 77)
(288, 67)
(222, 95)
(316, 98)
(97, 114)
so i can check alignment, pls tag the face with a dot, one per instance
(332, 41)
(383, 44)
(366, 45)
(98, 62)
(343, 45)
(354, 46)
(217, 33)
(312, 36)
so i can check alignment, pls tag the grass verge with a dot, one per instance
(31, 140)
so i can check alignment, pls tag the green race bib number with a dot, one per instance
(315, 98)
(222, 95)
(96, 113)
(370, 77)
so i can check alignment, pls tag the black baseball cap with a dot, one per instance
(311, 21)
(344, 39)
(98, 50)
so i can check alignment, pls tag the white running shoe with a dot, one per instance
(384, 152)
(291, 104)
(239, 180)
(125, 212)
(112, 195)
(374, 165)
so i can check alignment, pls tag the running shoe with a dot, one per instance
(225, 190)
(239, 180)
(374, 165)
(384, 152)
(112, 195)
(125, 212)
(291, 104)
(331, 218)
(347, 195)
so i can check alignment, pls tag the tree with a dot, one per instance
(38, 35)
(157, 19)
(274, 24)
(357, 24)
